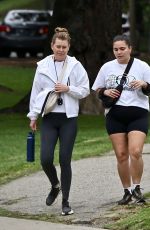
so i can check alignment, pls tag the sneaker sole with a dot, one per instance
(67, 213)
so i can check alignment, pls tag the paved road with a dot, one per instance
(95, 189)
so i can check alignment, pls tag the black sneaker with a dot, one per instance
(52, 195)
(136, 193)
(66, 209)
(126, 198)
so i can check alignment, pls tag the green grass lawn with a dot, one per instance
(16, 82)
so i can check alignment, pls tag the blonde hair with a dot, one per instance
(61, 33)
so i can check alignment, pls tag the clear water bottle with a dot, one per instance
(30, 147)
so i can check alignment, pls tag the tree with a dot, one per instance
(92, 25)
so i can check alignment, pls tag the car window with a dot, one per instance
(26, 17)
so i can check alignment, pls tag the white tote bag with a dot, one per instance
(49, 102)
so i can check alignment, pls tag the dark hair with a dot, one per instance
(61, 33)
(122, 37)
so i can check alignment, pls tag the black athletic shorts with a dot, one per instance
(123, 119)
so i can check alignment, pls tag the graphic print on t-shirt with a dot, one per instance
(113, 81)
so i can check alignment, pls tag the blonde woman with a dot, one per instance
(61, 123)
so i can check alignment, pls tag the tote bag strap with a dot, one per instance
(63, 71)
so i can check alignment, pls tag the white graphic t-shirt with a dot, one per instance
(110, 75)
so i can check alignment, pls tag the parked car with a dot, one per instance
(24, 31)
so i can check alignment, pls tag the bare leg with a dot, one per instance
(135, 142)
(120, 145)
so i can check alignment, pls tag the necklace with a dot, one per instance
(59, 100)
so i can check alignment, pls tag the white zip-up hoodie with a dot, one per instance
(45, 79)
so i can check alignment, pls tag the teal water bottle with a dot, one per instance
(30, 147)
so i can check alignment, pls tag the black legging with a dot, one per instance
(54, 126)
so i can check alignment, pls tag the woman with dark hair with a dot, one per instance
(127, 120)
(61, 122)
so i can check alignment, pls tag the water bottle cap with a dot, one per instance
(31, 134)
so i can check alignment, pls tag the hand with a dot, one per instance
(33, 125)
(112, 93)
(136, 84)
(60, 88)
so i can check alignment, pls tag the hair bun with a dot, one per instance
(60, 29)
(62, 34)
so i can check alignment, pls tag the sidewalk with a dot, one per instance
(21, 224)
(95, 189)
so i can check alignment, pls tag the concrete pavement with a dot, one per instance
(22, 224)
